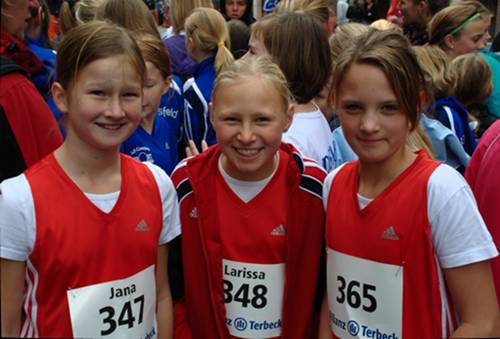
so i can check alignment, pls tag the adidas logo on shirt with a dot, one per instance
(390, 234)
(194, 213)
(142, 226)
(279, 231)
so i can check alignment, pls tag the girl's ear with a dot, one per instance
(289, 116)
(449, 42)
(167, 83)
(60, 96)
(211, 111)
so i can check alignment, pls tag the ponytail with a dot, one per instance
(66, 17)
(223, 57)
(208, 30)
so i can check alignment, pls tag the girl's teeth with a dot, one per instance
(247, 151)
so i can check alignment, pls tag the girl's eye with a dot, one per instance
(97, 93)
(262, 120)
(131, 94)
(391, 108)
(352, 108)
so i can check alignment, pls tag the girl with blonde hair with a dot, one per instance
(175, 39)
(461, 28)
(250, 204)
(443, 105)
(207, 42)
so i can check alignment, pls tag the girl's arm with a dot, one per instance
(12, 289)
(473, 294)
(324, 326)
(164, 313)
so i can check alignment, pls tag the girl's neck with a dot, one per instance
(92, 170)
(147, 122)
(374, 178)
(199, 56)
(305, 108)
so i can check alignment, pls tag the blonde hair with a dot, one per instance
(383, 24)
(343, 35)
(208, 29)
(418, 139)
(256, 67)
(134, 15)
(318, 9)
(153, 51)
(391, 52)
(438, 75)
(473, 79)
(451, 18)
(83, 11)
(181, 9)
(93, 41)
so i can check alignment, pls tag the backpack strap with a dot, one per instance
(8, 66)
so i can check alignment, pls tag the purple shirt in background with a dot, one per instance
(180, 63)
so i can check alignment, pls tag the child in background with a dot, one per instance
(175, 40)
(207, 42)
(134, 15)
(84, 232)
(443, 105)
(153, 140)
(250, 204)
(460, 28)
(403, 233)
(473, 86)
(305, 60)
(239, 35)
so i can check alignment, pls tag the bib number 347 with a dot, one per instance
(123, 308)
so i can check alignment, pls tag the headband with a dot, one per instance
(465, 23)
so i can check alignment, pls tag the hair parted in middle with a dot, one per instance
(93, 41)
(255, 67)
(392, 53)
(209, 32)
(298, 44)
(319, 9)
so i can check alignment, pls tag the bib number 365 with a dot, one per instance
(356, 294)
(126, 317)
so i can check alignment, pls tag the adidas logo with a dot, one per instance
(280, 231)
(194, 213)
(142, 226)
(390, 234)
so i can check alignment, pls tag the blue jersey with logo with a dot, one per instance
(197, 93)
(159, 147)
(172, 108)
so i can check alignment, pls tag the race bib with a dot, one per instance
(253, 296)
(365, 298)
(123, 308)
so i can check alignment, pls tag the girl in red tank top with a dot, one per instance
(407, 251)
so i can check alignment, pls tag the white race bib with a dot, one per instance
(253, 296)
(365, 298)
(123, 308)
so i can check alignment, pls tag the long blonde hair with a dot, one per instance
(208, 29)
